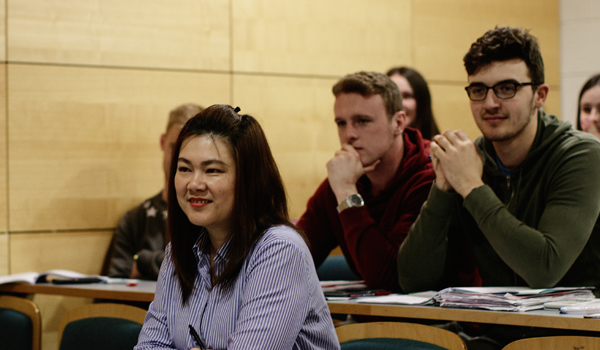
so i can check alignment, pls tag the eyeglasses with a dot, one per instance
(503, 90)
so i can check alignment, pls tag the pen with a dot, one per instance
(197, 339)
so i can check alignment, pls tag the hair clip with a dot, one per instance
(237, 109)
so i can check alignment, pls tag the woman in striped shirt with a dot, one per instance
(236, 270)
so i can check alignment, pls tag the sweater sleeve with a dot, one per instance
(543, 255)
(317, 226)
(422, 256)
(374, 248)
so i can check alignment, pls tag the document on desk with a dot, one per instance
(510, 298)
(422, 298)
(48, 276)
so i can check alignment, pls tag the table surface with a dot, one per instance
(538, 318)
(144, 291)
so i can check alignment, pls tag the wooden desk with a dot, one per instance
(144, 291)
(540, 318)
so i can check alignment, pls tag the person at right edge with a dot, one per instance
(523, 196)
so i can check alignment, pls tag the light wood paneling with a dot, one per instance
(78, 251)
(3, 152)
(445, 30)
(297, 117)
(325, 37)
(4, 254)
(2, 30)
(452, 110)
(552, 105)
(181, 34)
(84, 142)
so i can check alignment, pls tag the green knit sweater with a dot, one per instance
(535, 228)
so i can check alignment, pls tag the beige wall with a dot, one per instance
(579, 50)
(85, 88)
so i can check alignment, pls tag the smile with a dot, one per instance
(199, 202)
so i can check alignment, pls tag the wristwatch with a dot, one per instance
(354, 200)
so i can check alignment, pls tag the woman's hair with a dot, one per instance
(590, 83)
(260, 199)
(424, 120)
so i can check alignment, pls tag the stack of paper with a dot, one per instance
(509, 298)
(331, 286)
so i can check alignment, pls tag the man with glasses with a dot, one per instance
(524, 196)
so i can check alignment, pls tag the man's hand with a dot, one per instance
(135, 273)
(440, 177)
(344, 170)
(457, 162)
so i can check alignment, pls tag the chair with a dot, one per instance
(335, 268)
(20, 324)
(557, 342)
(100, 326)
(397, 335)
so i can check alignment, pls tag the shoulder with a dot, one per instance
(280, 242)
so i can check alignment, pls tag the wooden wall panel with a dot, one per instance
(2, 30)
(324, 37)
(84, 142)
(452, 110)
(4, 254)
(3, 152)
(552, 105)
(78, 251)
(297, 117)
(444, 31)
(180, 34)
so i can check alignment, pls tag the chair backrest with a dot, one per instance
(100, 326)
(20, 324)
(394, 335)
(558, 342)
(335, 268)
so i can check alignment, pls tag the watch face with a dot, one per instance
(356, 200)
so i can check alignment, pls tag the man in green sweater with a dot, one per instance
(524, 197)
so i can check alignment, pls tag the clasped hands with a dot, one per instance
(456, 162)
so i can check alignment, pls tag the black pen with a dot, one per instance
(197, 339)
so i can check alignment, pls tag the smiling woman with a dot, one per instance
(236, 270)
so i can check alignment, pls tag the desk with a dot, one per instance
(539, 318)
(144, 291)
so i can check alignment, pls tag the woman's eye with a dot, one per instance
(182, 169)
(213, 171)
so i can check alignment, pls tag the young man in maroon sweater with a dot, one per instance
(376, 183)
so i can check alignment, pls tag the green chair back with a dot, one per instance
(16, 330)
(99, 333)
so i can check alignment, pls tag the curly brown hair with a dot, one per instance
(506, 43)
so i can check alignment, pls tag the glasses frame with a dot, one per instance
(488, 88)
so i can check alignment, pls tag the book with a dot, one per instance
(65, 276)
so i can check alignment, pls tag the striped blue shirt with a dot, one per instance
(276, 301)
